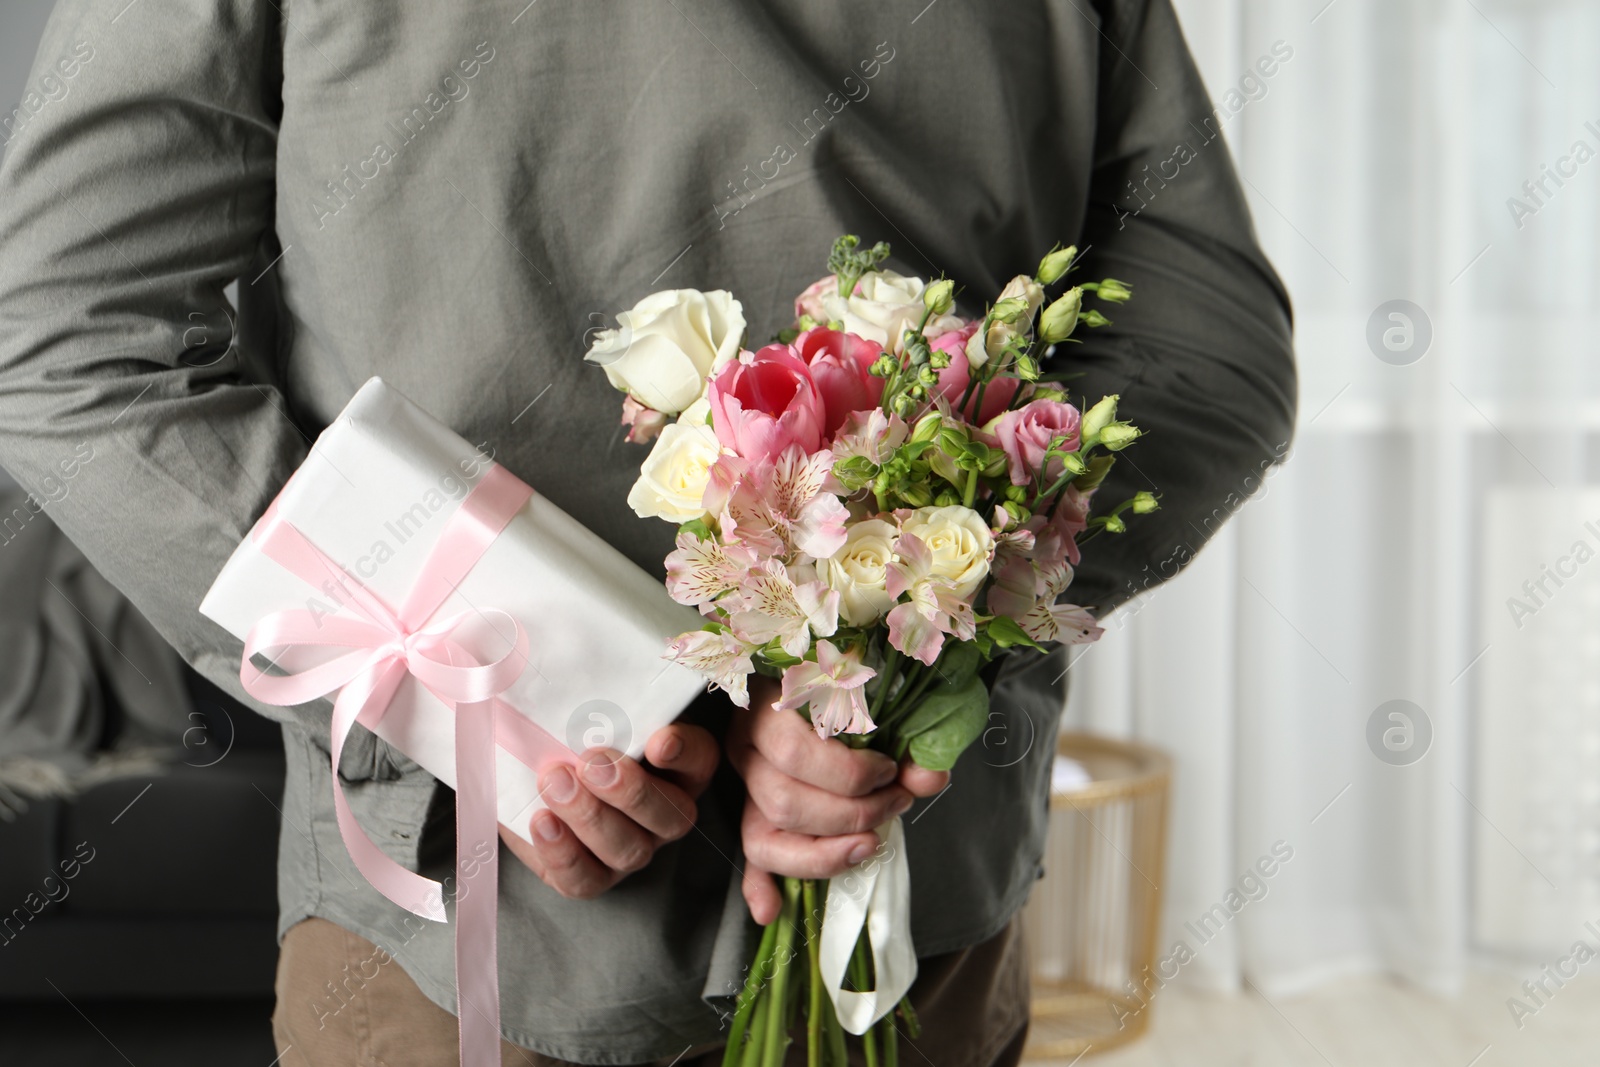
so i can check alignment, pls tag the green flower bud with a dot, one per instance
(916, 348)
(1114, 291)
(996, 465)
(952, 440)
(1099, 467)
(1119, 435)
(1048, 394)
(947, 498)
(1095, 319)
(916, 392)
(1027, 367)
(927, 427)
(1144, 503)
(938, 359)
(883, 366)
(1016, 493)
(1061, 317)
(1018, 513)
(939, 297)
(1114, 524)
(903, 406)
(927, 376)
(916, 494)
(1056, 264)
(1074, 464)
(1098, 418)
(1009, 310)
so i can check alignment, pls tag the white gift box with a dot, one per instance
(374, 495)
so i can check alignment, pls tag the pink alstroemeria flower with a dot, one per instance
(765, 401)
(772, 605)
(954, 378)
(835, 688)
(781, 507)
(721, 657)
(1049, 621)
(644, 424)
(841, 368)
(701, 570)
(873, 434)
(917, 628)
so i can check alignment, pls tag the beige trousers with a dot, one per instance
(973, 1006)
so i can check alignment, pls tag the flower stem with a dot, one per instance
(749, 995)
(970, 493)
(818, 1002)
(891, 664)
(862, 981)
(777, 1029)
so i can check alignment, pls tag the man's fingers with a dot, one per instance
(616, 840)
(921, 782)
(559, 860)
(657, 805)
(790, 744)
(801, 855)
(685, 755)
(790, 804)
(761, 894)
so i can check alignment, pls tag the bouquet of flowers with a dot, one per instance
(871, 509)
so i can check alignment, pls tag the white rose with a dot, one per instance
(859, 571)
(673, 478)
(883, 307)
(666, 346)
(959, 541)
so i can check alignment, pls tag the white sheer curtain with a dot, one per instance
(1377, 564)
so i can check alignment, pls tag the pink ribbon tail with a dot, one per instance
(385, 646)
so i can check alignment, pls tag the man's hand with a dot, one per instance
(813, 805)
(607, 821)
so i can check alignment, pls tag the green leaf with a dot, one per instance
(697, 527)
(946, 721)
(959, 661)
(1004, 632)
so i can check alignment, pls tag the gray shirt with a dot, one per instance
(451, 196)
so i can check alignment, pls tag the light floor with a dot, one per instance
(1361, 1022)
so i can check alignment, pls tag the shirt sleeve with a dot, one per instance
(1202, 355)
(134, 403)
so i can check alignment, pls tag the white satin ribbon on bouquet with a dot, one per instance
(876, 893)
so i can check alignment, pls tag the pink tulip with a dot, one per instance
(1026, 433)
(763, 402)
(841, 368)
(954, 378)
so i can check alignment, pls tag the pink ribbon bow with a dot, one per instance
(386, 646)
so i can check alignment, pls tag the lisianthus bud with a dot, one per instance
(1114, 291)
(927, 426)
(1119, 435)
(939, 297)
(1054, 265)
(1048, 394)
(1114, 524)
(1098, 417)
(1017, 512)
(1061, 317)
(1074, 464)
(1009, 310)
(1144, 503)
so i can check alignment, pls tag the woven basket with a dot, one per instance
(1093, 919)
